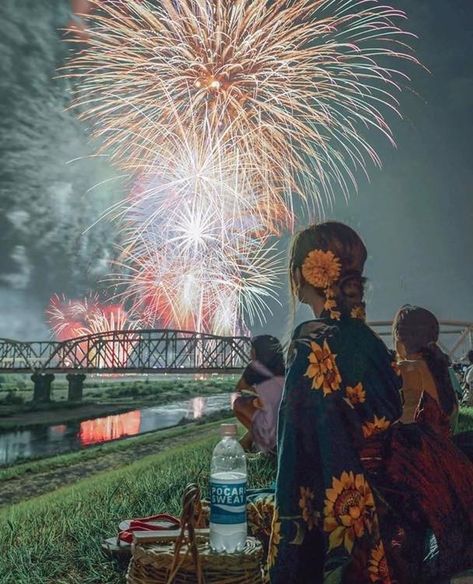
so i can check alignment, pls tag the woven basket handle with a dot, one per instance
(191, 510)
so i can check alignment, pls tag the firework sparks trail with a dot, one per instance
(226, 112)
(289, 83)
(69, 319)
(192, 174)
(194, 232)
(205, 295)
(196, 268)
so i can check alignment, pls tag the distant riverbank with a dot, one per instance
(102, 397)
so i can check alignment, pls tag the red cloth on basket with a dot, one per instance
(148, 524)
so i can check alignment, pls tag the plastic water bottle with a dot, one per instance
(228, 493)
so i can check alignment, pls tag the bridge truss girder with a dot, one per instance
(167, 351)
(144, 351)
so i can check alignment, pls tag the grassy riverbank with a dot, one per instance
(56, 538)
(25, 480)
(465, 420)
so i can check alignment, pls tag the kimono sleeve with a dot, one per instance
(323, 503)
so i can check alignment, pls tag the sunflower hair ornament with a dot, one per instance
(322, 270)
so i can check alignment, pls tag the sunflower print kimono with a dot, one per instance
(341, 389)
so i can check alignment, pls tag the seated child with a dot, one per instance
(260, 388)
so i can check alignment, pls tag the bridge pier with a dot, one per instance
(76, 386)
(42, 386)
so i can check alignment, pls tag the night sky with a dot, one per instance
(415, 214)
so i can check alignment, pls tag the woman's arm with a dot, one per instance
(243, 385)
(411, 390)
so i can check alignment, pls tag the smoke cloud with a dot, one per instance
(48, 171)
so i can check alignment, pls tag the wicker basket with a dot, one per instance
(151, 564)
(186, 558)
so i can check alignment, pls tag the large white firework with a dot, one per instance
(293, 84)
(227, 112)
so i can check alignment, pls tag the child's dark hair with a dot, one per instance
(418, 330)
(269, 352)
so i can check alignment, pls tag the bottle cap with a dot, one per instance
(228, 429)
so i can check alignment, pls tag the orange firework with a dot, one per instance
(70, 319)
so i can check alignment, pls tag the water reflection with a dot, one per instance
(49, 440)
(19, 447)
(110, 428)
(57, 432)
(198, 407)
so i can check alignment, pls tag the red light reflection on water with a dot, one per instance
(110, 428)
(59, 430)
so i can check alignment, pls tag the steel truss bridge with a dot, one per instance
(128, 351)
(167, 351)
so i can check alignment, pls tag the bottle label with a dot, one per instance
(227, 502)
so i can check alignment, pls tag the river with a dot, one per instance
(48, 440)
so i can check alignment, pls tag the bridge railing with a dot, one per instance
(147, 351)
(153, 351)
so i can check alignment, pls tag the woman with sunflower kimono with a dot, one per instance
(353, 504)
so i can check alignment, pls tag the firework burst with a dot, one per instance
(288, 83)
(208, 285)
(195, 177)
(70, 318)
(88, 316)
(194, 236)
(226, 112)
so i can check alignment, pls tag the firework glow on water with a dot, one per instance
(229, 115)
